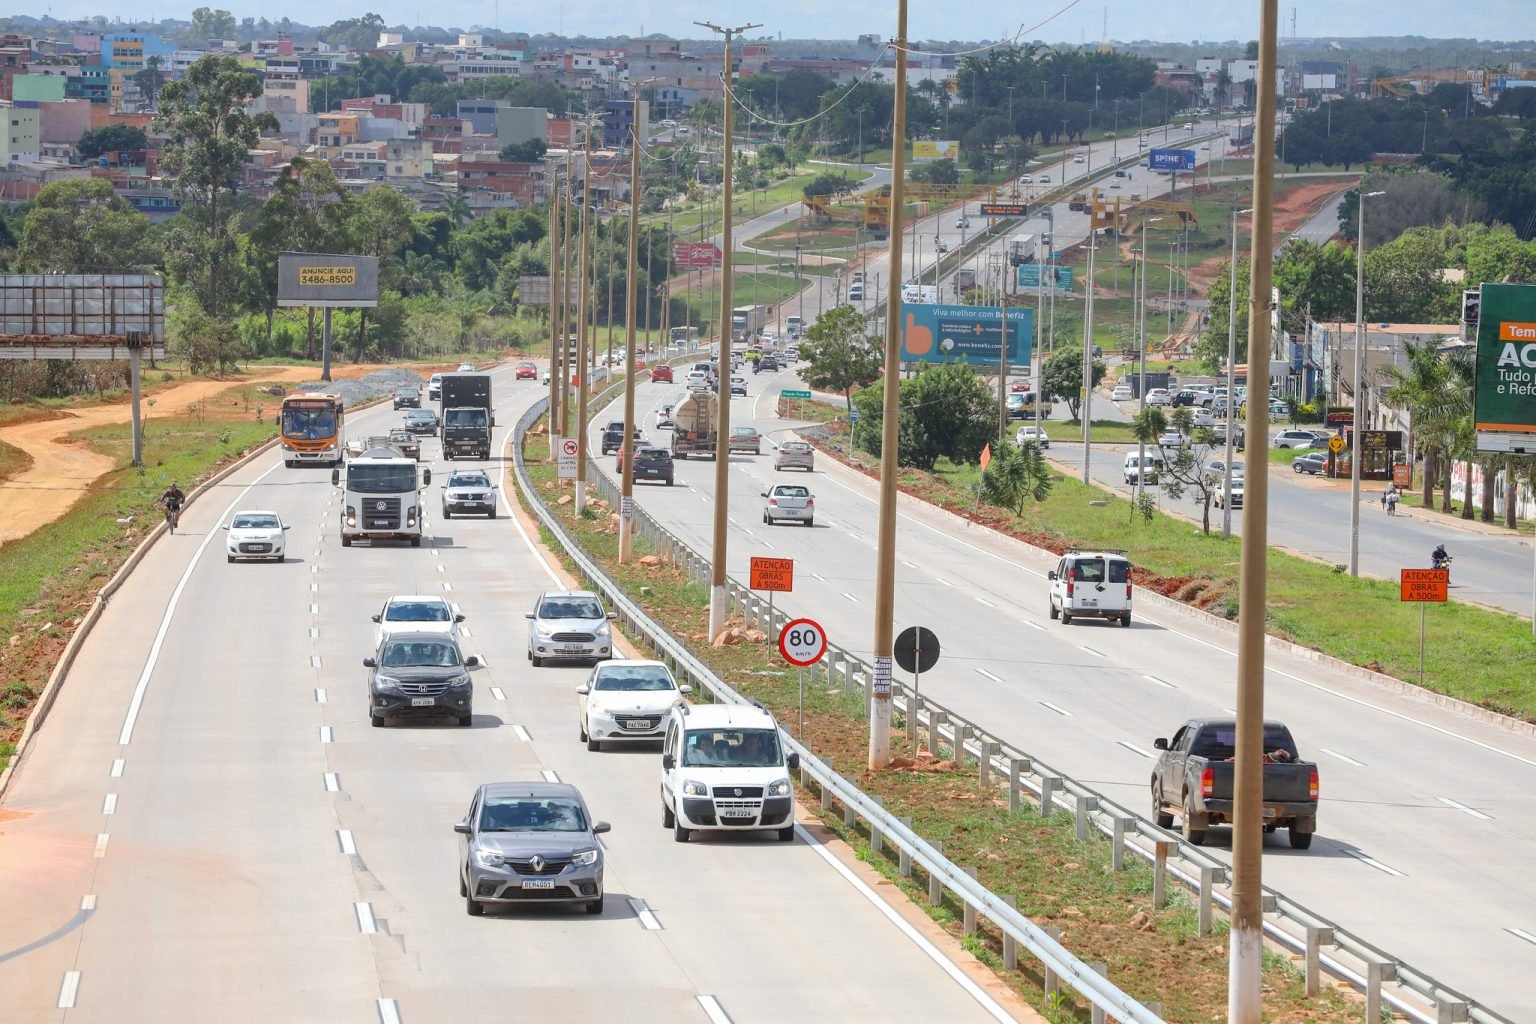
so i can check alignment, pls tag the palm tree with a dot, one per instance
(1428, 390)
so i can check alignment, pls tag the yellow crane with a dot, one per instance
(1115, 211)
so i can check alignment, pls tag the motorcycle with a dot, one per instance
(1441, 563)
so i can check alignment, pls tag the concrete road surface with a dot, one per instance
(1427, 816)
(207, 827)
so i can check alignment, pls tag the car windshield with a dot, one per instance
(791, 492)
(526, 366)
(309, 423)
(374, 479)
(469, 480)
(731, 748)
(744, 431)
(419, 654)
(406, 391)
(532, 814)
(1219, 742)
(570, 608)
(638, 677)
(254, 522)
(464, 418)
(1099, 570)
(417, 611)
(425, 416)
(795, 446)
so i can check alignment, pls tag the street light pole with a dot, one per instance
(1087, 403)
(723, 385)
(1226, 501)
(1246, 939)
(885, 557)
(1359, 417)
(556, 313)
(627, 499)
(583, 335)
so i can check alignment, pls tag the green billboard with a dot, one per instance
(1504, 409)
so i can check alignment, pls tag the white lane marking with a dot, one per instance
(910, 565)
(441, 569)
(1160, 682)
(1343, 757)
(1521, 933)
(1090, 650)
(345, 841)
(539, 556)
(1230, 711)
(732, 521)
(332, 783)
(988, 1004)
(713, 1010)
(117, 768)
(989, 675)
(314, 568)
(522, 734)
(125, 736)
(549, 775)
(314, 633)
(1034, 625)
(497, 693)
(1133, 748)
(314, 588)
(102, 839)
(109, 805)
(643, 914)
(982, 600)
(69, 990)
(704, 499)
(320, 695)
(447, 585)
(944, 582)
(464, 630)
(314, 609)
(365, 921)
(1464, 808)
(314, 661)
(1063, 712)
(389, 1012)
(327, 734)
(819, 576)
(1373, 862)
(88, 902)
(766, 544)
(850, 597)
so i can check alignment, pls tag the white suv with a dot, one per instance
(1096, 583)
(723, 768)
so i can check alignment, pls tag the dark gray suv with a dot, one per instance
(420, 674)
(530, 842)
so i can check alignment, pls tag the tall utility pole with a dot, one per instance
(1246, 941)
(1139, 331)
(583, 334)
(627, 500)
(1087, 402)
(1231, 399)
(1359, 413)
(566, 368)
(556, 313)
(723, 385)
(885, 552)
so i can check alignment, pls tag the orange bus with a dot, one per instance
(311, 426)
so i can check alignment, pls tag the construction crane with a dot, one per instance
(1115, 212)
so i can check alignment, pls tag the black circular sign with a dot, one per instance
(917, 649)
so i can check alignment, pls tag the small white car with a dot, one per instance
(416, 613)
(1122, 393)
(255, 534)
(1032, 435)
(1091, 583)
(789, 502)
(569, 624)
(627, 700)
(962, 222)
(1026, 179)
(723, 768)
(545, 378)
(1204, 418)
(1172, 439)
(664, 418)
(1236, 494)
(1159, 396)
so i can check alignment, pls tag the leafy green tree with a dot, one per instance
(151, 78)
(826, 183)
(840, 353)
(111, 138)
(1404, 283)
(81, 225)
(208, 23)
(1428, 389)
(530, 151)
(1062, 377)
(1314, 279)
(1184, 469)
(354, 33)
(306, 212)
(208, 133)
(481, 246)
(946, 412)
(771, 155)
(208, 343)
(1016, 475)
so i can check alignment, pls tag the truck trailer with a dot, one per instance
(467, 418)
(695, 419)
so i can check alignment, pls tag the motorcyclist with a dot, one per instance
(1439, 557)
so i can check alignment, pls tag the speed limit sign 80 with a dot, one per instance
(802, 642)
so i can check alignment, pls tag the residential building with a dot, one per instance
(62, 122)
(15, 54)
(20, 132)
(618, 126)
(523, 184)
(39, 88)
(481, 114)
(129, 50)
(335, 130)
(519, 124)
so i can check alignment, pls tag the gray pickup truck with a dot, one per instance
(1193, 781)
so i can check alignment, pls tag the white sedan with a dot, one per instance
(416, 613)
(1122, 393)
(627, 701)
(256, 535)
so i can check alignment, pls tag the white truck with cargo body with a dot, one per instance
(381, 496)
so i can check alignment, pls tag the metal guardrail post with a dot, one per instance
(1049, 784)
(1117, 849)
(1015, 785)
(903, 855)
(1316, 938)
(914, 711)
(849, 817)
(1160, 876)
(935, 886)
(1052, 984)
(968, 918)
(876, 840)
(961, 732)
(1083, 806)
(936, 720)
(1376, 972)
(1010, 945)
(1098, 1015)
(1207, 883)
(984, 773)
(1448, 1012)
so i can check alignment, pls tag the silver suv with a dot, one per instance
(530, 842)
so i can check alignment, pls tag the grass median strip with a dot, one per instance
(1105, 916)
(1479, 655)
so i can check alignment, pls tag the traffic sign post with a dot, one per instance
(802, 642)
(916, 650)
(565, 459)
(1424, 586)
(801, 395)
(772, 575)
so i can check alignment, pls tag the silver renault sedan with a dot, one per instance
(530, 842)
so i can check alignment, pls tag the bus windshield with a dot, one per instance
(366, 479)
(309, 423)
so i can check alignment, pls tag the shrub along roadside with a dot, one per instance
(1105, 916)
(1475, 654)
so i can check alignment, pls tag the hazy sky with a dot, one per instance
(1164, 20)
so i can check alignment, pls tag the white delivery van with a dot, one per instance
(1136, 465)
(1096, 583)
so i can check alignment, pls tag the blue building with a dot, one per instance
(127, 51)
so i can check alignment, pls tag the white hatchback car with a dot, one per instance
(626, 701)
(1159, 396)
(1033, 435)
(256, 535)
(416, 613)
(1122, 393)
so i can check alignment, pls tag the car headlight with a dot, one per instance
(461, 679)
(385, 682)
(603, 630)
(489, 858)
(779, 788)
(543, 629)
(585, 858)
(694, 788)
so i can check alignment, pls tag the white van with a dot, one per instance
(856, 291)
(1096, 583)
(1135, 464)
(724, 768)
